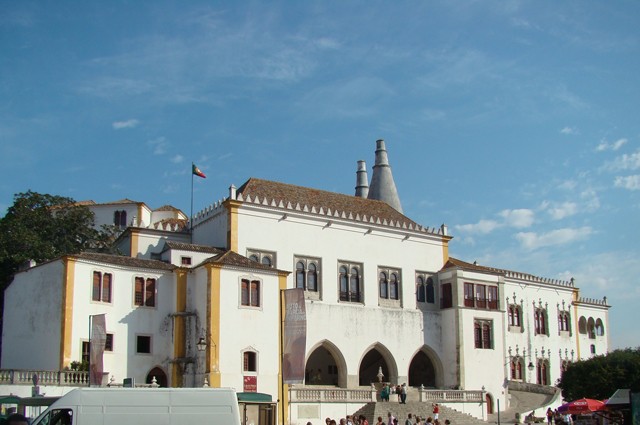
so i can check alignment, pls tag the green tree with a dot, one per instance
(41, 227)
(599, 377)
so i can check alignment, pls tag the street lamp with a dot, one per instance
(531, 366)
(201, 345)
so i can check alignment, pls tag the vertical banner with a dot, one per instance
(96, 351)
(295, 337)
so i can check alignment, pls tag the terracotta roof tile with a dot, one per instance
(173, 224)
(121, 260)
(314, 198)
(167, 208)
(231, 258)
(192, 247)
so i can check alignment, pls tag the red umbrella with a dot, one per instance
(584, 405)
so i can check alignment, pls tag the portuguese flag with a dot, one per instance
(196, 171)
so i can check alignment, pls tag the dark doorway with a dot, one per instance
(321, 368)
(421, 371)
(161, 377)
(370, 366)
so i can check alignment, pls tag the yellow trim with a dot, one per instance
(232, 233)
(134, 243)
(283, 389)
(213, 326)
(445, 250)
(66, 319)
(179, 346)
(576, 296)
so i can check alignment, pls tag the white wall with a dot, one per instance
(32, 315)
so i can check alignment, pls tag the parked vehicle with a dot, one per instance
(143, 406)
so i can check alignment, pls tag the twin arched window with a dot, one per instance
(307, 275)
(540, 321)
(389, 285)
(350, 283)
(564, 321)
(515, 317)
(425, 290)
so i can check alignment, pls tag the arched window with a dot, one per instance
(564, 321)
(564, 365)
(582, 325)
(599, 328)
(307, 274)
(254, 257)
(300, 275)
(516, 368)
(514, 315)
(420, 290)
(393, 287)
(350, 283)
(591, 328)
(266, 258)
(542, 372)
(384, 285)
(483, 334)
(540, 321)
(312, 277)
(431, 294)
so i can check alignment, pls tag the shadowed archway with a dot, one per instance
(325, 366)
(377, 357)
(425, 369)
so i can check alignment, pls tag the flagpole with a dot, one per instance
(191, 219)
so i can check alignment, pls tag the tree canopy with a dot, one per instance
(600, 376)
(41, 227)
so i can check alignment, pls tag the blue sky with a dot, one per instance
(514, 122)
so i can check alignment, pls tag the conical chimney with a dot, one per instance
(382, 186)
(362, 180)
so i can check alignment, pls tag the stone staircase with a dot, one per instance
(401, 411)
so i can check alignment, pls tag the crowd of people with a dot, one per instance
(389, 420)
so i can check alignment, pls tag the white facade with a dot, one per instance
(435, 322)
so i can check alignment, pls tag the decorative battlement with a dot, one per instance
(408, 225)
(538, 279)
(593, 301)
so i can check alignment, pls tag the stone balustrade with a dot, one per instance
(64, 378)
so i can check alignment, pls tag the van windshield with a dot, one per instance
(55, 417)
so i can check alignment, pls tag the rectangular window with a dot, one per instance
(250, 293)
(250, 363)
(101, 288)
(185, 261)
(483, 334)
(447, 296)
(143, 344)
(481, 296)
(145, 292)
(492, 297)
(86, 347)
(468, 295)
(108, 344)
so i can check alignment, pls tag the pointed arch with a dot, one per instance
(426, 368)
(375, 356)
(320, 349)
(160, 375)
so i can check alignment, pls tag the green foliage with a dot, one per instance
(82, 366)
(41, 227)
(600, 376)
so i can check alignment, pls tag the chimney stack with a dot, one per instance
(362, 180)
(383, 188)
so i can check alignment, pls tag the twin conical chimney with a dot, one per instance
(382, 187)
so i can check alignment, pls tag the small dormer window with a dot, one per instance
(185, 261)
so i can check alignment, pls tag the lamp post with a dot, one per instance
(201, 345)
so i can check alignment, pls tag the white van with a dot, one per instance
(142, 406)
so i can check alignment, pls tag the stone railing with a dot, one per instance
(331, 395)
(451, 396)
(363, 395)
(64, 378)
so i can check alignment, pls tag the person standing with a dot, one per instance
(436, 411)
(549, 416)
(408, 421)
(403, 394)
(390, 419)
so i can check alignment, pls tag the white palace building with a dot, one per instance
(381, 294)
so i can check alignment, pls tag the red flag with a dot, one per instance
(196, 171)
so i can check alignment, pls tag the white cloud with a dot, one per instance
(569, 130)
(482, 227)
(568, 185)
(125, 124)
(590, 199)
(613, 146)
(327, 43)
(158, 145)
(565, 209)
(177, 159)
(532, 240)
(628, 182)
(519, 218)
(624, 162)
